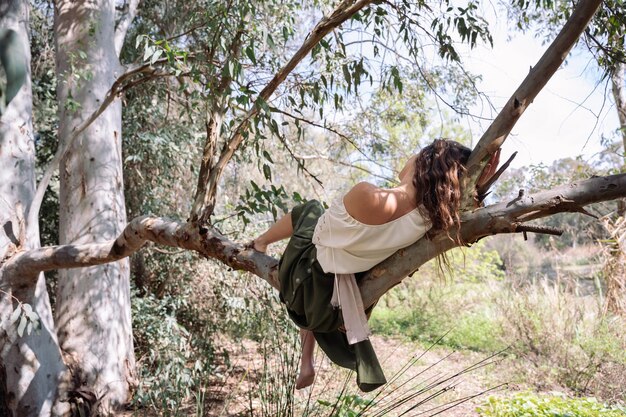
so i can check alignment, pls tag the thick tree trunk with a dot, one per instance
(93, 304)
(31, 364)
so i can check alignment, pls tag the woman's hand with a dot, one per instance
(489, 170)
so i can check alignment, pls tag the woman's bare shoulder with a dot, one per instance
(366, 203)
(361, 193)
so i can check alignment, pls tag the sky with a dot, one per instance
(567, 118)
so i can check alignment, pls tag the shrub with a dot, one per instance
(532, 405)
(171, 366)
(565, 340)
(425, 308)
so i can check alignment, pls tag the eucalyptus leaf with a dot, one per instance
(15, 315)
(22, 325)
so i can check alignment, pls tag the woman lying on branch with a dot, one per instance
(329, 250)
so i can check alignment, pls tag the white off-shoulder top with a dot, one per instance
(345, 245)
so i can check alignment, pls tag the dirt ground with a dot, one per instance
(454, 377)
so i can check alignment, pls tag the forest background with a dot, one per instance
(212, 341)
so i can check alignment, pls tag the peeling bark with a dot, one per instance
(31, 364)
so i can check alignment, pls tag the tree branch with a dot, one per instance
(499, 218)
(128, 14)
(213, 124)
(208, 242)
(539, 229)
(536, 79)
(503, 217)
(482, 190)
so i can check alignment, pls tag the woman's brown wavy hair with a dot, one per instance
(438, 169)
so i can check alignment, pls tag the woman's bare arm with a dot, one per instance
(280, 230)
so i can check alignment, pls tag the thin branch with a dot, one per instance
(299, 161)
(539, 229)
(332, 130)
(187, 32)
(345, 164)
(128, 15)
(482, 190)
(213, 124)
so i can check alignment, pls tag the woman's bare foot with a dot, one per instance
(305, 378)
(259, 246)
(307, 366)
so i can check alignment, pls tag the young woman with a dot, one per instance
(329, 249)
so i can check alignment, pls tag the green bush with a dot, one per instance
(565, 339)
(476, 264)
(347, 405)
(171, 366)
(532, 405)
(426, 307)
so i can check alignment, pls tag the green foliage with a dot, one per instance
(427, 309)
(347, 405)
(473, 330)
(393, 126)
(172, 367)
(224, 58)
(603, 37)
(154, 49)
(476, 264)
(533, 405)
(260, 200)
